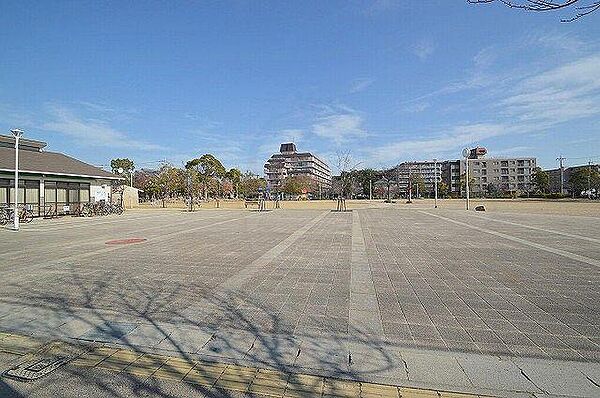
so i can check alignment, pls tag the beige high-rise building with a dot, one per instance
(290, 163)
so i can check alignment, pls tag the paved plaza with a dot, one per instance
(488, 302)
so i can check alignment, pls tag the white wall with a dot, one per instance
(100, 192)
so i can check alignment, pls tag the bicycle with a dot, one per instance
(4, 215)
(25, 215)
(116, 209)
(87, 210)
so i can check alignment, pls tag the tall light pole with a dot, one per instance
(561, 159)
(466, 152)
(409, 183)
(435, 182)
(589, 180)
(17, 134)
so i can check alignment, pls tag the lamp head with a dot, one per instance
(17, 133)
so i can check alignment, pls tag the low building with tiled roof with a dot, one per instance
(49, 182)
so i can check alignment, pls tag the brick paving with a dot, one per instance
(434, 284)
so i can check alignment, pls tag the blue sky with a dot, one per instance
(387, 80)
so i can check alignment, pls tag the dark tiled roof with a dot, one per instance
(50, 163)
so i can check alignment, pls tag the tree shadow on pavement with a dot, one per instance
(230, 327)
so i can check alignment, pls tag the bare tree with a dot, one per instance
(581, 7)
(346, 165)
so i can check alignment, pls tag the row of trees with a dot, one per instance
(584, 181)
(206, 177)
(200, 178)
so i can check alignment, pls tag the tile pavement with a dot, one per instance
(426, 284)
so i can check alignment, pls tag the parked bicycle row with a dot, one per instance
(7, 214)
(99, 209)
(26, 213)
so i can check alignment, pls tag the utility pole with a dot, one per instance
(370, 189)
(561, 159)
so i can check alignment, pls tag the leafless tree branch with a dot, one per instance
(582, 8)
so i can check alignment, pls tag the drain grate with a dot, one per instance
(125, 241)
(36, 368)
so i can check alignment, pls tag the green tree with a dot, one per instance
(298, 185)
(418, 184)
(235, 177)
(443, 189)
(463, 185)
(125, 164)
(208, 169)
(584, 178)
(169, 182)
(492, 190)
(250, 185)
(363, 177)
(541, 180)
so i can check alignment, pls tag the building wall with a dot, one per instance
(44, 193)
(292, 164)
(508, 175)
(427, 170)
(451, 176)
(129, 199)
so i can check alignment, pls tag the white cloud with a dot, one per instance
(416, 107)
(359, 85)
(564, 42)
(91, 132)
(559, 95)
(271, 145)
(423, 49)
(511, 151)
(484, 58)
(452, 142)
(339, 127)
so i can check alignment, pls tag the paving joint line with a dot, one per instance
(569, 235)
(563, 253)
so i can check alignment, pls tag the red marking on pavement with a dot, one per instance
(125, 241)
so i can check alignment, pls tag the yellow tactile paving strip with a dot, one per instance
(270, 383)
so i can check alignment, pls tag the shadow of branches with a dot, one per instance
(236, 327)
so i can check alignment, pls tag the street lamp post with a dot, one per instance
(466, 152)
(435, 182)
(409, 183)
(17, 134)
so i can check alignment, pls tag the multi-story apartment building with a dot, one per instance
(489, 175)
(451, 176)
(290, 163)
(424, 171)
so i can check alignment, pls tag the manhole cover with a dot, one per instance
(108, 331)
(36, 368)
(125, 241)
